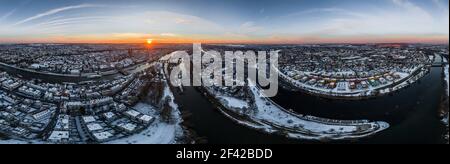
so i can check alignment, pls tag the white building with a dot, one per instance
(59, 136)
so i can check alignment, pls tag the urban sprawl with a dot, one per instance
(89, 93)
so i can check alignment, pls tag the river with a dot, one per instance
(412, 113)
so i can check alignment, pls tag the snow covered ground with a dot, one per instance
(159, 132)
(271, 118)
(16, 142)
(446, 78)
(271, 113)
(445, 119)
(234, 102)
(12, 142)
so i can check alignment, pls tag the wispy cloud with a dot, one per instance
(404, 18)
(73, 20)
(441, 5)
(249, 27)
(313, 23)
(408, 5)
(168, 34)
(55, 11)
(262, 10)
(333, 10)
(8, 14)
(173, 21)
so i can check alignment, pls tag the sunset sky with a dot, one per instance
(224, 21)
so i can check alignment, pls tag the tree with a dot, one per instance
(166, 111)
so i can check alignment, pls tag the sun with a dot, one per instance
(149, 41)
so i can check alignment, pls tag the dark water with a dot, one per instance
(210, 123)
(412, 113)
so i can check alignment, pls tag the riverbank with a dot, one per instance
(270, 118)
(389, 88)
(445, 102)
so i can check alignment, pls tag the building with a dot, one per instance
(46, 114)
(109, 116)
(127, 127)
(102, 136)
(59, 136)
(146, 119)
(94, 127)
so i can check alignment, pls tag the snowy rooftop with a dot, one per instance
(132, 113)
(146, 118)
(59, 135)
(94, 127)
(102, 135)
(109, 115)
(89, 119)
(128, 126)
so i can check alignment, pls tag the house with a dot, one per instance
(146, 119)
(88, 119)
(102, 136)
(127, 127)
(46, 114)
(59, 136)
(94, 127)
(109, 116)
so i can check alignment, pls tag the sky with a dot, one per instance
(224, 21)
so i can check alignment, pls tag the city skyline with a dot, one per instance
(265, 22)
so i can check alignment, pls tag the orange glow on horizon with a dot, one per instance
(149, 41)
(152, 39)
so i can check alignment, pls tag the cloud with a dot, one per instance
(262, 10)
(130, 35)
(249, 27)
(404, 17)
(332, 10)
(8, 14)
(54, 11)
(168, 34)
(441, 5)
(183, 21)
(443, 10)
(177, 22)
(73, 20)
(411, 7)
(122, 25)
